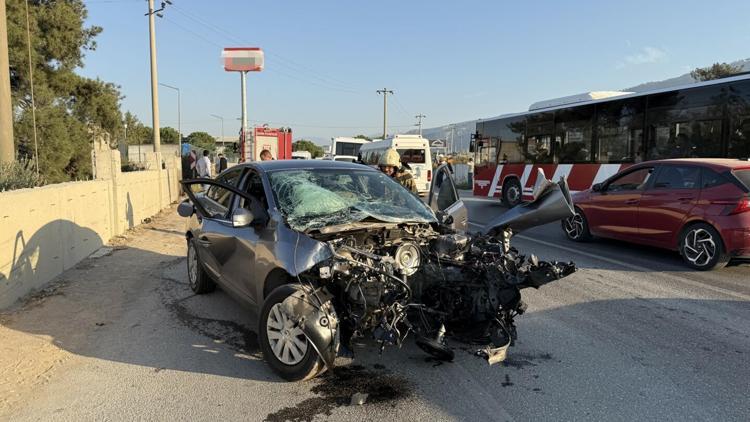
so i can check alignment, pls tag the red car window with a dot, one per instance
(632, 181)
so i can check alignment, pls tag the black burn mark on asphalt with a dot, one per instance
(507, 382)
(235, 335)
(335, 389)
(523, 360)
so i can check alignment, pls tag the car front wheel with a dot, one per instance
(701, 248)
(576, 228)
(285, 347)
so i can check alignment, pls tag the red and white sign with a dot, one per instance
(243, 59)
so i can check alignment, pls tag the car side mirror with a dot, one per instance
(185, 209)
(242, 217)
(597, 187)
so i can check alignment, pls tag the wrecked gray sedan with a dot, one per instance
(328, 252)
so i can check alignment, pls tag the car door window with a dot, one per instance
(219, 197)
(678, 177)
(257, 204)
(444, 189)
(635, 180)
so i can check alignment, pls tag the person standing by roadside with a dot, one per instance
(193, 160)
(390, 164)
(471, 173)
(222, 164)
(204, 166)
(265, 155)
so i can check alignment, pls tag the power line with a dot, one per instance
(325, 82)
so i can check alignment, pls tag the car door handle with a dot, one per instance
(204, 241)
(686, 199)
(631, 202)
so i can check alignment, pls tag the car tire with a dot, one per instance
(279, 340)
(702, 248)
(199, 281)
(512, 192)
(576, 228)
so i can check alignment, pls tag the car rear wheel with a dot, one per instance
(576, 228)
(701, 248)
(512, 192)
(285, 347)
(199, 281)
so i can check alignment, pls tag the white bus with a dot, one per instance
(414, 151)
(346, 149)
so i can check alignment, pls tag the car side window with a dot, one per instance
(678, 177)
(635, 180)
(254, 186)
(711, 178)
(221, 196)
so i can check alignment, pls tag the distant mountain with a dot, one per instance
(685, 79)
(463, 130)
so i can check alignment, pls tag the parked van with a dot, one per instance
(414, 151)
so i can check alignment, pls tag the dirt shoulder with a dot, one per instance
(50, 331)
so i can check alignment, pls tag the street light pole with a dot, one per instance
(222, 125)
(179, 116)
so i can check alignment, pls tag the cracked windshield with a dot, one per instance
(313, 199)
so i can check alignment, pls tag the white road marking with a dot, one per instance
(633, 267)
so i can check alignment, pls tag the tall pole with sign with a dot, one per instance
(243, 60)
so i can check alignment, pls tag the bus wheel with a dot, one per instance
(512, 193)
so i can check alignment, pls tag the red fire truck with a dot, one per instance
(276, 140)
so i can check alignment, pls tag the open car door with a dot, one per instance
(444, 198)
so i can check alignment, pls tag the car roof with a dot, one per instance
(716, 163)
(274, 165)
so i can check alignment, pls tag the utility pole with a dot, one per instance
(154, 75)
(385, 93)
(419, 122)
(7, 150)
(453, 128)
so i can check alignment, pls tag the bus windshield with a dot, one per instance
(347, 148)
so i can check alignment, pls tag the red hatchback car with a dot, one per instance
(699, 207)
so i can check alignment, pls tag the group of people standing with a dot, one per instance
(203, 168)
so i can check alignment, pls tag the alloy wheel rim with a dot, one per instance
(287, 341)
(574, 226)
(699, 247)
(192, 265)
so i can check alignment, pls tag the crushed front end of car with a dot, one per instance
(393, 280)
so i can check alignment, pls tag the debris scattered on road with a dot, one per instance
(358, 399)
(103, 251)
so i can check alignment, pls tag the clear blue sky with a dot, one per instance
(452, 61)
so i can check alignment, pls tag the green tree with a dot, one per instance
(363, 137)
(69, 107)
(715, 71)
(309, 146)
(169, 135)
(138, 133)
(202, 140)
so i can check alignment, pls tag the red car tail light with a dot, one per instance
(429, 175)
(742, 206)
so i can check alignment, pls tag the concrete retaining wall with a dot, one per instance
(44, 231)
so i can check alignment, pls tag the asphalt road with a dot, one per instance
(632, 335)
